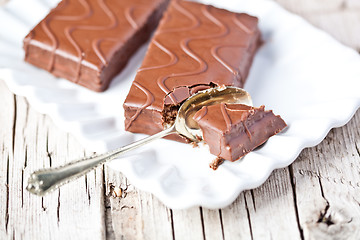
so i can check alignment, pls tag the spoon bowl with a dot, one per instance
(184, 123)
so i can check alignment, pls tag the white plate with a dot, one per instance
(300, 72)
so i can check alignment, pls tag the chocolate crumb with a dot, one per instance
(216, 163)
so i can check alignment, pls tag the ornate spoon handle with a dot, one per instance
(46, 180)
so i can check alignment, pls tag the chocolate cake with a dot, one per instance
(233, 130)
(195, 47)
(90, 41)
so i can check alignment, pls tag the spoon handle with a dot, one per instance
(46, 180)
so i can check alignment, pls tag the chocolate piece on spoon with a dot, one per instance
(233, 130)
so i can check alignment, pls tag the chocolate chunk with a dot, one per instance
(90, 41)
(179, 94)
(196, 46)
(233, 130)
(215, 164)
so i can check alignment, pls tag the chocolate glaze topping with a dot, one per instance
(90, 41)
(195, 47)
(233, 130)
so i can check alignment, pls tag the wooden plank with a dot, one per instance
(236, 220)
(272, 208)
(337, 17)
(6, 142)
(157, 221)
(75, 211)
(135, 214)
(213, 224)
(122, 212)
(302, 7)
(340, 25)
(334, 177)
(309, 200)
(188, 221)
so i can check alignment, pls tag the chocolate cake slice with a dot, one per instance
(195, 47)
(90, 41)
(233, 130)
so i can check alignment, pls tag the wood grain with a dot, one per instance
(335, 183)
(340, 18)
(317, 197)
(30, 141)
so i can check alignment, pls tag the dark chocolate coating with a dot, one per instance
(195, 46)
(233, 130)
(90, 41)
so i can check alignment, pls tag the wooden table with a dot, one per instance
(317, 197)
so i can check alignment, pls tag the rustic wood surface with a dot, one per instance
(317, 197)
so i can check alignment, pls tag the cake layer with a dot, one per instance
(195, 47)
(233, 130)
(90, 41)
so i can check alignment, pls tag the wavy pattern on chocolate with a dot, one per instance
(214, 49)
(195, 23)
(69, 30)
(90, 41)
(96, 47)
(172, 55)
(214, 53)
(173, 61)
(241, 25)
(45, 25)
(225, 110)
(113, 24)
(54, 44)
(225, 116)
(251, 111)
(194, 20)
(184, 44)
(86, 14)
(149, 100)
(173, 58)
(128, 14)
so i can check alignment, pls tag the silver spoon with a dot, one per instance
(46, 180)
